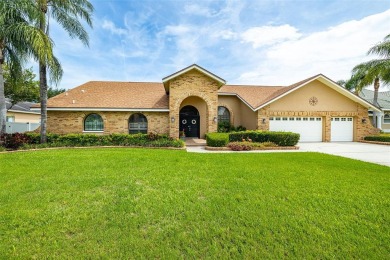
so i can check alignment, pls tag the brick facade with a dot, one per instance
(66, 122)
(193, 84)
(362, 125)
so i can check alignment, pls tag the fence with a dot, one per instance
(13, 127)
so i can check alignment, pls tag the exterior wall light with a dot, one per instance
(215, 119)
(364, 120)
(173, 119)
(263, 121)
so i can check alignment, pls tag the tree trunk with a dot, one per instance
(43, 99)
(3, 108)
(43, 77)
(375, 101)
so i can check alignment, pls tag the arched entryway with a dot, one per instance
(189, 121)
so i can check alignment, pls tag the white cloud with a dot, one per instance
(176, 29)
(333, 52)
(195, 9)
(108, 25)
(268, 35)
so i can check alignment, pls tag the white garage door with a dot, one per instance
(310, 128)
(341, 129)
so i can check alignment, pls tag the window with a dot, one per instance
(311, 119)
(138, 124)
(223, 115)
(292, 118)
(10, 119)
(386, 118)
(93, 122)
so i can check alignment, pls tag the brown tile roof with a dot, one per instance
(110, 94)
(149, 95)
(256, 96)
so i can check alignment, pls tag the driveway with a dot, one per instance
(374, 153)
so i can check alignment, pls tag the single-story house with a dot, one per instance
(20, 118)
(382, 118)
(194, 100)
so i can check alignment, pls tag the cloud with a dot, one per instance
(108, 25)
(195, 9)
(176, 30)
(268, 35)
(333, 52)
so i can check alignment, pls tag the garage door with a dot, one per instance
(310, 128)
(341, 129)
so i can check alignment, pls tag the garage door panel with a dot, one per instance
(341, 129)
(309, 128)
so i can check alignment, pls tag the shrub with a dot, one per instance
(14, 141)
(379, 138)
(240, 146)
(32, 140)
(217, 139)
(278, 138)
(226, 127)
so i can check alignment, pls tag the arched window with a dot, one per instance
(138, 124)
(93, 122)
(223, 115)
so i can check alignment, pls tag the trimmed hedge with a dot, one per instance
(32, 140)
(378, 138)
(217, 139)
(278, 138)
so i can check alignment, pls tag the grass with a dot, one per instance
(141, 203)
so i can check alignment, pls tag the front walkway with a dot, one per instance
(374, 153)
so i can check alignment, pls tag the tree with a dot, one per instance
(18, 41)
(374, 71)
(24, 87)
(67, 14)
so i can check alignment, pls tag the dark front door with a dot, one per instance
(189, 121)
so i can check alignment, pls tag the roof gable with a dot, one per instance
(326, 81)
(166, 80)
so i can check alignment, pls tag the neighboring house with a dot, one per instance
(383, 118)
(20, 118)
(194, 100)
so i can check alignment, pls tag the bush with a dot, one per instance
(240, 146)
(278, 138)
(226, 127)
(378, 138)
(14, 141)
(217, 139)
(32, 140)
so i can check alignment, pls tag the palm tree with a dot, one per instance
(375, 71)
(18, 41)
(67, 14)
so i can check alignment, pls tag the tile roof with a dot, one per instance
(110, 94)
(256, 96)
(383, 98)
(149, 95)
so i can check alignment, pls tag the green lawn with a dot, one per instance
(141, 203)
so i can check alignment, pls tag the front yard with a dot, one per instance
(142, 203)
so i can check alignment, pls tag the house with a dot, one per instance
(383, 118)
(20, 118)
(194, 100)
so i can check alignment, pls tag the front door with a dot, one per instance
(189, 121)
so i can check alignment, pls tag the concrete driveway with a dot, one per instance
(374, 153)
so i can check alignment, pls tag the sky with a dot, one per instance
(252, 42)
